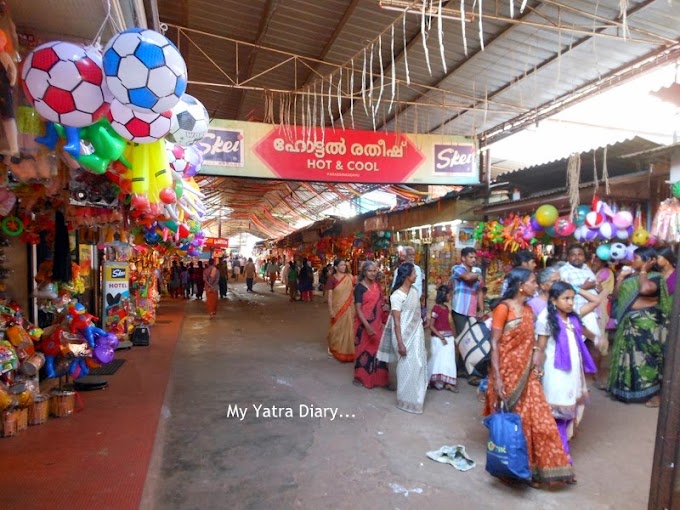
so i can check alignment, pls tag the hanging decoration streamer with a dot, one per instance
(440, 32)
(462, 26)
(623, 14)
(342, 119)
(403, 29)
(573, 178)
(394, 73)
(423, 32)
(481, 26)
(605, 174)
(351, 88)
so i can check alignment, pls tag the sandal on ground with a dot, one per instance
(571, 481)
(653, 402)
(474, 380)
(451, 387)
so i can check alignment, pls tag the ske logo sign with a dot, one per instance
(118, 273)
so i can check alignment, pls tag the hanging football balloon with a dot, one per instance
(65, 83)
(190, 121)
(617, 251)
(136, 126)
(144, 70)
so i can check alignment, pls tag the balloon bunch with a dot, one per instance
(98, 145)
(602, 222)
(114, 109)
(76, 345)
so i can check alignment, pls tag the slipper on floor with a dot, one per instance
(454, 455)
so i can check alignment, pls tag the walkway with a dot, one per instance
(264, 350)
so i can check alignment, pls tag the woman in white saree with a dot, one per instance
(403, 341)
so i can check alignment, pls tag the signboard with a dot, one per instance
(116, 284)
(216, 242)
(251, 149)
(465, 236)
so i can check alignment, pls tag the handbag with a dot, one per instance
(506, 450)
(474, 345)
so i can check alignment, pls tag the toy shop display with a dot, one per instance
(617, 229)
(71, 346)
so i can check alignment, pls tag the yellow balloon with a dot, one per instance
(640, 237)
(546, 215)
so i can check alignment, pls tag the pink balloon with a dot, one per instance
(564, 227)
(622, 220)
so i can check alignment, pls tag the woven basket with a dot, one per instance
(62, 403)
(8, 423)
(22, 419)
(39, 411)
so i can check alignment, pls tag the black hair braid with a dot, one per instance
(553, 321)
(557, 289)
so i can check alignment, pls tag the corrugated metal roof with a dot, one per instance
(521, 68)
(553, 176)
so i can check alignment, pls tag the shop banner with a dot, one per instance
(116, 283)
(266, 151)
(216, 243)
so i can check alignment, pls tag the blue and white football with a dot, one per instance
(144, 70)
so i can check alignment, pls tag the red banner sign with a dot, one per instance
(363, 156)
(250, 149)
(216, 242)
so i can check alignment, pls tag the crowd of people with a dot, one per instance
(549, 332)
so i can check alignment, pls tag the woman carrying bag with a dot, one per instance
(514, 379)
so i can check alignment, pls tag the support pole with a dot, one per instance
(664, 490)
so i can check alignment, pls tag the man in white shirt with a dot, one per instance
(410, 256)
(578, 274)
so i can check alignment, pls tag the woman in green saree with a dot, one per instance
(643, 307)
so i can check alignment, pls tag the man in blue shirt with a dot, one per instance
(466, 283)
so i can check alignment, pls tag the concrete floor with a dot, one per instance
(263, 350)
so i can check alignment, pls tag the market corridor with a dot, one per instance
(263, 350)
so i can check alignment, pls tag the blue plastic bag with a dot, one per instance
(506, 450)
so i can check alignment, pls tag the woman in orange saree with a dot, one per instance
(514, 379)
(341, 310)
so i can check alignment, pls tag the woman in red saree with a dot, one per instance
(368, 325)
(515, 378)
(341, 310)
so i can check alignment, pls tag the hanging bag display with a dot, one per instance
(474, 345)
(506, 450)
